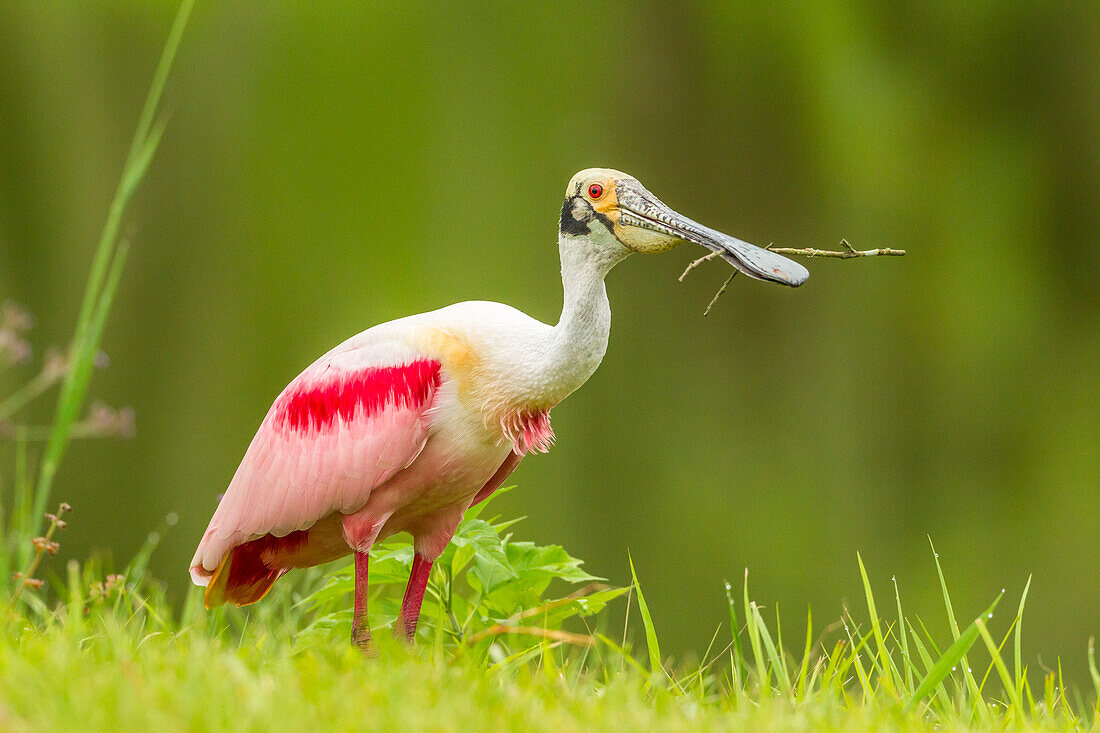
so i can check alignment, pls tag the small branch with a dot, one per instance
(565, 636)
(849, 252)
(719, 293)
(696, 263)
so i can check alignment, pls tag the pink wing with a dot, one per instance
(345, 425)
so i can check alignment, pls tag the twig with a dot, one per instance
(566, 636)
(845, 254)
(719, 293)
(696, 263)
(849, 252)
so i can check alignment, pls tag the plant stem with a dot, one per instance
(16, 400)
(106, 270)
(27, 577)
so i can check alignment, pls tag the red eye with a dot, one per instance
(595, 191)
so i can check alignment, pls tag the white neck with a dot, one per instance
(578, 342)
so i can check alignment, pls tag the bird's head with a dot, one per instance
(601, 204)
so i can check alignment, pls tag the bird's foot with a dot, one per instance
(362, 639)
(405, 630)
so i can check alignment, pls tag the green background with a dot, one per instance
(331, 166)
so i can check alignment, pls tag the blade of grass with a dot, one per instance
(1067, 709)
(954, 654)
(106, 266)
(77, 379)
(926, 659)
(763, 673)
(739, 667)
(971, 683)
(652, 645)
(1002, 670)
(804, 667)
(928, 635)
(777, 661)
(1092, 670)
(696, 677)
(885, 662)
(833, 662)
(993, 662)
(904, 641)
(1016, 641)
(779, 640)
(855, 661)
(623, 654)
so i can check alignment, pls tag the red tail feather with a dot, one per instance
(248, 571)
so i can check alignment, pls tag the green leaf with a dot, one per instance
(490, 561)
(475, 511)
(581, 607)
(551, 558)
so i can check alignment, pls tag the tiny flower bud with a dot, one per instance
(15, 317)
(55, 365)
(125, 423)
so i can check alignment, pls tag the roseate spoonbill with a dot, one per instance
(406, 425)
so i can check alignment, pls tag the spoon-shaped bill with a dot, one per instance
(641, 208)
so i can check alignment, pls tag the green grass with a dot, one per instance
(514, 636)
(509, 653)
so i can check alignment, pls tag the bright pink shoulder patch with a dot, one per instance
(314, 405)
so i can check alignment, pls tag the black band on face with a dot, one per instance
(575, 227)
(570, 224)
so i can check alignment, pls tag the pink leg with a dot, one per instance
(498, 478)
(360, 628)
(414, 594)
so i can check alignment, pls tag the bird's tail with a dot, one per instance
(242, 577)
